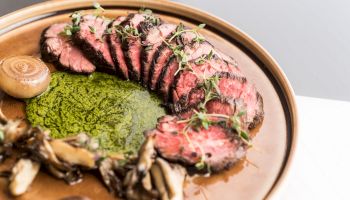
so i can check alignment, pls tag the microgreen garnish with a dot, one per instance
(148, 47)
(98, 9)
(201, 60)
(181, 29)
(109, 31)
(71, 29)
(178, 50)
(92, 29)
(149, 16)
(127, 32)
(76, 17)
(145, 11)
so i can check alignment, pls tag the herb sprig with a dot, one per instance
(149, 16)
(70, 29)
(127, 32)
(98, 9)
(202, 119)
(181, 29)
(178, 50)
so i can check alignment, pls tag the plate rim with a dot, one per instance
(21, 17)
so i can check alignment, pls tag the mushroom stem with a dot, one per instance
(146, 156)
(23, 174)
(73, 155)
(159, 182)
(174, 177)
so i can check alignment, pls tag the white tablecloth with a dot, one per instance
(320, 169)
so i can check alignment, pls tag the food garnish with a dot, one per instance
(211, 105)
(113, 111)
(23, 76)
(67, 159)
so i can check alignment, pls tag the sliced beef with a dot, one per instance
(160, 59)
(186, 80)
(59, 49)
(236, 95)
(162, 56)
(166, 77)
(91, 38)
(151, 42)
(132, 46)
(220, 147)
(115, 47)
(194, 51)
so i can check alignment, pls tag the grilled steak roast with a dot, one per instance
(236, 95)
(186, 80)
(115, 47)
(218, 147)
(59, 49)
(134, 47)
(91, 38)
(194, 50)
(151, 42)
(163, 55)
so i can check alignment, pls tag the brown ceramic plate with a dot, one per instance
(257, 177)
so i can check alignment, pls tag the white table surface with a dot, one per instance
(320, 169)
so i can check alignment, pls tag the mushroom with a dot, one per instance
(23, 174)
(174, 176)
(146, 156)
(159, 182)
(147, 182)
(73, 155)
(110, 179)
(24, 76)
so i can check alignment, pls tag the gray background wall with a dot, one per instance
(309, 38)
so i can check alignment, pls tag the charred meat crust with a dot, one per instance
(58, 49)
(172, 145)
(259, 117)
(96, 56)
(134, 74)
(115, 47)
(161, 57)
(224, 67)
(190, 100)
(46, 55)
(132, 48)
(162, 86)
(152, 41)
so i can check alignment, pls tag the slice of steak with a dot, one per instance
(194, 51)
(59, 49)
(162, 56)
(166, 78)
(219, 148)
(115, 47)
(151, 42)
(91, 38)
(186, 80)
(236, 95)
(132, 46)
(227, 83)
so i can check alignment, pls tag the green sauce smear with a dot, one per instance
(114, 111)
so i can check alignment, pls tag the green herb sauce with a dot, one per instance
(114, 111)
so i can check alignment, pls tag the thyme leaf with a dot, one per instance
(126, 32)
(69, 30)
(98, 9)
(92, 29)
